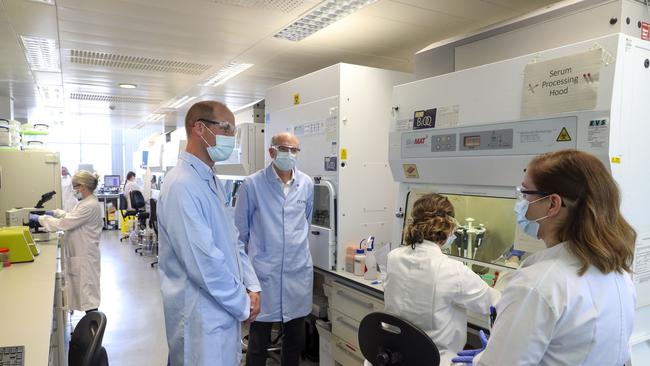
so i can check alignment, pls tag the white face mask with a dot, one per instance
(530, 227)
(77, 195)
(450, 240)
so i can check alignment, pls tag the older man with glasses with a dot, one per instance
(273, 214)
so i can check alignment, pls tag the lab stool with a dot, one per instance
(275, 345)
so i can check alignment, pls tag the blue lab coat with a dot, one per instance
(204, 270)
(275, 229)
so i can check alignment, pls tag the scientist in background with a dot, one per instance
(426, 287)
(67, 198)
(572, 303)
(208, 284)
(83, 228)
(272, 213)
(129, 186)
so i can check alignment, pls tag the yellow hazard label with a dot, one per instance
(344, 154)
(296, 99)
(563, 136)
(616, 159)
(411, 171)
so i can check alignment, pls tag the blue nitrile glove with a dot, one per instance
(33, 219)
(516, 253)
(49, 213)
(467, 356)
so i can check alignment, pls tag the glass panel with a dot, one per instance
(321, 214)
(486, 231)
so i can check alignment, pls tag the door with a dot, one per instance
(322, 233)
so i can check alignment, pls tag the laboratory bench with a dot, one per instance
(350, 298)
(31, 307)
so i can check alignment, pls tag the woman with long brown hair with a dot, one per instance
(428, 288)
(573, 302)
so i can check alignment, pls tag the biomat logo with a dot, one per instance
(417, 140)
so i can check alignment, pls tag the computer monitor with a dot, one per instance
(111, 181)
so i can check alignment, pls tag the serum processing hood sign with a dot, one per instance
(563, 84)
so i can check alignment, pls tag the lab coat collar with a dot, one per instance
(557, 251)
(429, 245)
(201, 168)
(277, 177)
(272, 177)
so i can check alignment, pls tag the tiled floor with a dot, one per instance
(135, 331)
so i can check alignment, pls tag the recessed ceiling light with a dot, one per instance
(42, 53)
(320, 17)
(226, 73)
(177, 103)
(127, 86)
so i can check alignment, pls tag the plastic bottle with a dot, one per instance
(371, 265)
(359, 262)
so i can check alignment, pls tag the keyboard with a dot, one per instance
(12, 356)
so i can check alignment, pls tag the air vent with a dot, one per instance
(285, 6)
(136, 63)
(111, 98)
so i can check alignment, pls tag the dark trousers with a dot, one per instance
(293, 337)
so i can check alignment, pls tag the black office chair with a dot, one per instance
(125, 211)
(86, 345)
(138, 204)
(385, 339)
(153, 223)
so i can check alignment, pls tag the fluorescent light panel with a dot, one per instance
(320, 17)
(127, 86)
(42, 53)
(154, 117)
(50, 2)
(180, 102)
(226, 73)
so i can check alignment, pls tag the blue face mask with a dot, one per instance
(530, 227)
(223, 147)
(450, 240)
(285, 161)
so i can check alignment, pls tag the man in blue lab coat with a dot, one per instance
(208, 284)
(273, 213)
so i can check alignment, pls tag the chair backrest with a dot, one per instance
(86, 343)
(122, 204)
(137, 200)
(153, 218)
(386, 339)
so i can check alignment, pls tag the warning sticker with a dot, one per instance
(411, 171)
(563, 136)
(344, 154)
(598, 133)
(645, 31)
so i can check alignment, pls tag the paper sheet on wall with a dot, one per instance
(642, 259)
(563, 84)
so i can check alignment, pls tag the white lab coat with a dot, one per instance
(128, 188)
(550, 316)
(67, 197)
(83, 227)
(433, 291)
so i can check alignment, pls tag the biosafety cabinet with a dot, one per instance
(25, 176)
(469, 134)
(341, 116)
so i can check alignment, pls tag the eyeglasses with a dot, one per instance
(522, 192)
(284, 148)
(225, 126)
